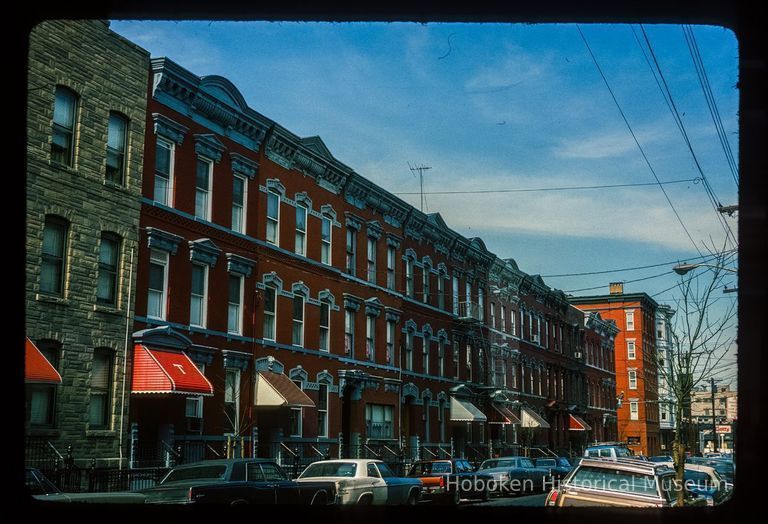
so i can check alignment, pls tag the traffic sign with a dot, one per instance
(723, 429)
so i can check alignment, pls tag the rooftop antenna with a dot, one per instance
(421, 170)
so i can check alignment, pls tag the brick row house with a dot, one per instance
(637, 380)
(276, 268)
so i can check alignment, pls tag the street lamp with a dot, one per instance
(682, 269)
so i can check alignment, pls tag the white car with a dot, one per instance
(364, 481)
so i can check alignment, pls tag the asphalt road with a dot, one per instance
(525, 500)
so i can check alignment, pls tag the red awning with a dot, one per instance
(576, 423)
(37, 369)
(166, 371)
(507, 417)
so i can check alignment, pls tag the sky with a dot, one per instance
(506, 116)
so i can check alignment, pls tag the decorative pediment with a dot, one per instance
(238, 265)
(209, 146)
(300, 288)
(243, 165)
(317, 146)
(162, 240)
(169, 129)
(373, 307)
(204, 251)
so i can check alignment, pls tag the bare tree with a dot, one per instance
(703, 336)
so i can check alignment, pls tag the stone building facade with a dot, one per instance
(87, 96)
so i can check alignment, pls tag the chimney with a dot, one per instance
(616, 288)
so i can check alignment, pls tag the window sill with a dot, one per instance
(100, 433)
(102, 308)
(63, 167)
(118, 187)
(41, 297)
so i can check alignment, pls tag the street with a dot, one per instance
(536, 499)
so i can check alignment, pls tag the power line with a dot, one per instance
(642, 152)
(695, 180)
(709, 97)
(711, 257)
(681, 126)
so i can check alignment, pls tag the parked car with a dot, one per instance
(706, 482)
(558, 467)
(608, 450)
(265, 483)
(662, 459)
(176, 486)
(725, 468)
(450, 480)
(515, 474)
(42, 489)
(363, 481)
(617, 482)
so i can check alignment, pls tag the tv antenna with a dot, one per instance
(421, 170)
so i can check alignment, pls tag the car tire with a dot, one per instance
(486, 494)
(455, 497)
(365, 500)
(412, 499)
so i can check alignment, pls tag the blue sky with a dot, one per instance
(504, 107)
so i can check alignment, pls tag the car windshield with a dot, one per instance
(618, 480)
(213, 472)
(421, 469)
(724, 470)
(330, 469)
(546, 463)
(489, 464)
(623, 452)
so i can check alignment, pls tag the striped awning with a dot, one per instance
(163, 371)
(503, 415)
(576, 423)
(277, 390)
(531, 419)
(465, 411)
(37, 368)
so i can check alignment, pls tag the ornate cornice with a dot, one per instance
(239, 265)
(204, 251)
(243, 165)
(162, 240)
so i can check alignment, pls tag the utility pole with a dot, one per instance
(714, 423)
(421, 170)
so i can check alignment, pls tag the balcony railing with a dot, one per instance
(469, 310)
(379, 430)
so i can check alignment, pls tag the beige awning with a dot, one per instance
(277, 390)
(507, 417)
(465, 411)
(531, 419)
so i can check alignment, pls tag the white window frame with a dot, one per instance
(480, 302)
(273, 220)
(410, 288)
(391, 264)
(391, 348)
(205, 192)
(322, 429)
(634, 410)
(425, 351)
(629, 318)
(503, 318)
(440, 291)
(300, 241)
(239, 319)
(203, 298)
(326, 245)
(325, 331)
(273, 314)
(493, 315)
(455, 292)
(349, 333)
(425, 284)
(440, 358)
(631, 349)
(299, 323)
(409, 351)
(159, 257)
(168, 197)
(371, 260)
(243, 209)
(351, 252)
(370, 338)
(236, 396)
(632, 379)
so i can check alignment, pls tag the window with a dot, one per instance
(193, 409)
(371, 259)
(349, 333)
(660, 329)
(632, 379)
(630, 319)
(325, 325)
(301, 230)
(441, 359)
(425, 345)
(441, 291)
(456, 359)
(297, 414)
(425, 287)
(53, 267)
(325, 240)
(42, 397)
(633, 410)
(631, 355)
(500, 372)
(101, 382)
(116, 145)
(390, 342)
(163, 172)
(493, 315)
(270, 312)
(511, 321)
(234, 311)
(409, 351)
(370, 338)
(322, 410)
(378, 421)
(351, 250)
(232, 400)
(468, 293)
(273, 218)
(198, 301)
(503, 318)
(239, 198)
(455, 291)
(158, 284)
(391, 258)
(203, 189)
(297, 337)
(468, 356)
(481, 303)
(109, 255)
(64, 114)
(409, 291)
